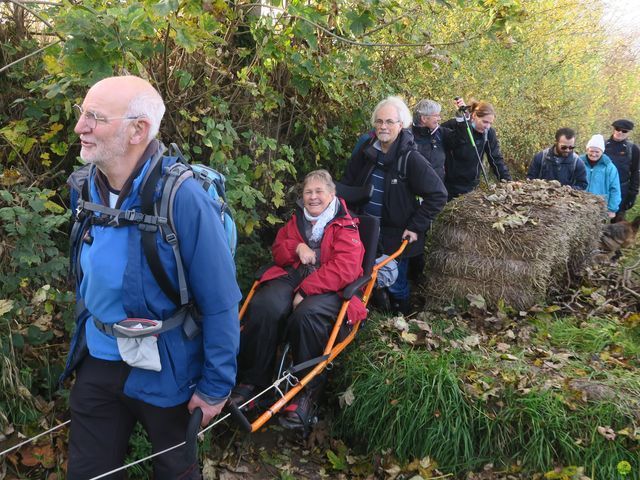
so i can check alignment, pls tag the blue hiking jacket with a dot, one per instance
(603, 179)
(117, 283)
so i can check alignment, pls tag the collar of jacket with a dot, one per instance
(403, 143)
(102, 184)
(604, 160)
(342, 218)
(613, 140)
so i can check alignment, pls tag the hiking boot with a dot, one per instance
(402, 306)
(300, 413)
(380, 299)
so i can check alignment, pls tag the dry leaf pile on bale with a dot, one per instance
(516, 243)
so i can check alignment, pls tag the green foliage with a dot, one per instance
(265, 98)
(35, 306)
(31, 221)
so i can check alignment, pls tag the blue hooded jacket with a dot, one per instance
(117, 283)
(603, 179)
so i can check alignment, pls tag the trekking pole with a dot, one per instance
(191, 440)
(473, 142)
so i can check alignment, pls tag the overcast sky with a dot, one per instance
(624, 15)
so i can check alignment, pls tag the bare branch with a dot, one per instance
(38, 16)
(6, 67)
(347, 40)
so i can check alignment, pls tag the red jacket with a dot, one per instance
(341, 253)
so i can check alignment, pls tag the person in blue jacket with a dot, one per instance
(156, 380)
(602, 174)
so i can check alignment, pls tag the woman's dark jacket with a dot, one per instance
(401, 209)
(462, 166)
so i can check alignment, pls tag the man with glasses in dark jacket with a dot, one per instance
(559, 162)
(399, 174)
(626, 157)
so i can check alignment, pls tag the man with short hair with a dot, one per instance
(158, 378)
(626, 157)
(559, 162)
(391, 162)
(429, 135)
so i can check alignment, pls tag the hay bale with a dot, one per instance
(516, 243)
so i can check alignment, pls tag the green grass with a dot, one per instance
(590, 336)
(420, 403)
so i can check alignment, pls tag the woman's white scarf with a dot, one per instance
(321, 220)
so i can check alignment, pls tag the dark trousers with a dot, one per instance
(271, 318)
(619, 216)
(102, 419)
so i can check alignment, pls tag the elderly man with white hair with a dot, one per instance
(399, 174)
(158, 376)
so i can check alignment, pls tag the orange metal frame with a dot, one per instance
(332, 349)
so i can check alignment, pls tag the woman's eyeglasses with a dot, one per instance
(621, 130)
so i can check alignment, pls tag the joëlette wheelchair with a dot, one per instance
(286, 385)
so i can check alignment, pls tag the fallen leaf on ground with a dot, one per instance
(607, 432)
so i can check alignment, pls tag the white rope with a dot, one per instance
(15, 447)
(275, 385)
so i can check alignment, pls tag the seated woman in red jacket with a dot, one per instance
(317, 253)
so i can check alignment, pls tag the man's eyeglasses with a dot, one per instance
(387, 123)
(91, 119)
(566, 147)
(621, 130)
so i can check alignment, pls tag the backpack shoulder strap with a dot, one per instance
(149, 206)
(402, 165)
(79, 184)
(545, 154)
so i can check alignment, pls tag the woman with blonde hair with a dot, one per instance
(316, 254)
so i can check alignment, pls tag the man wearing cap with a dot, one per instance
(626, 157)
(429, 135)
(559, 162)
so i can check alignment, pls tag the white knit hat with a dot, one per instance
(597, 141)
